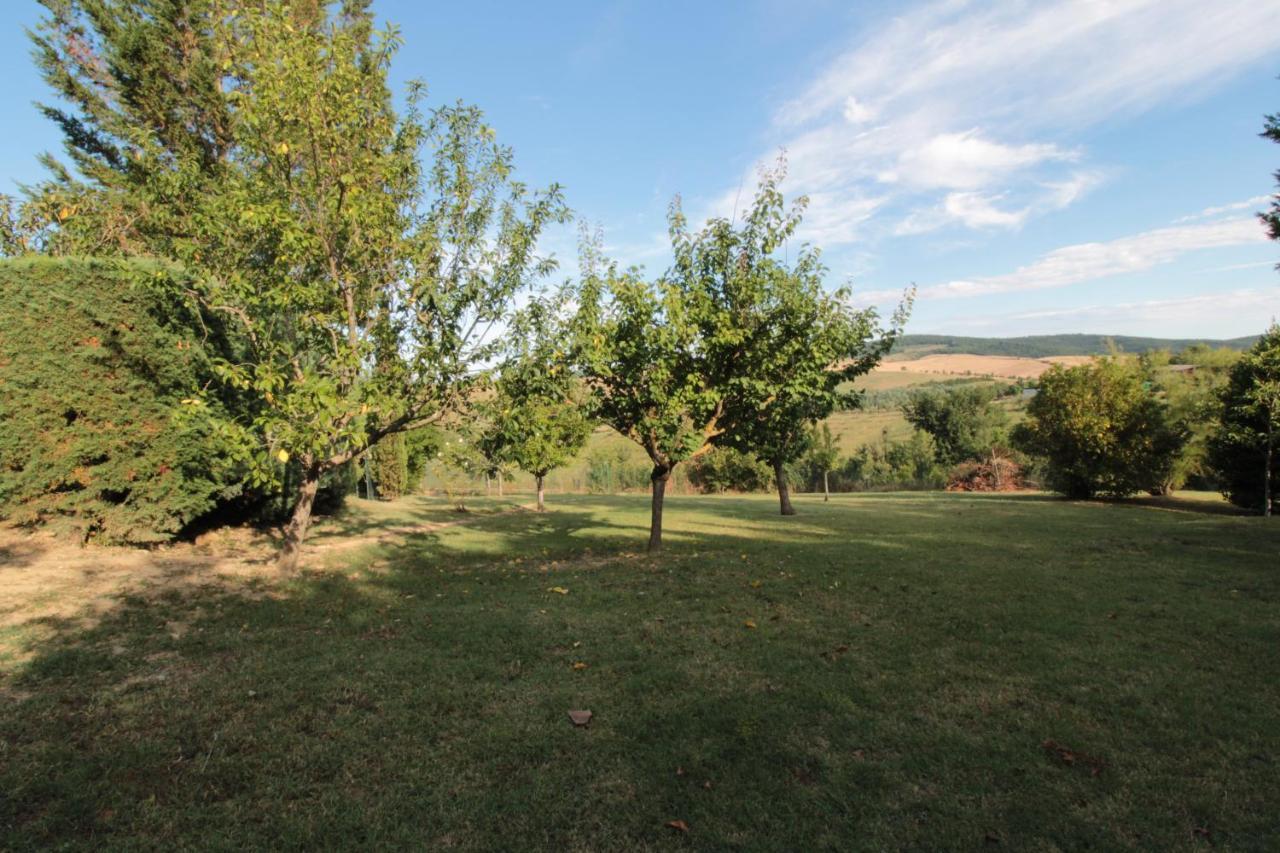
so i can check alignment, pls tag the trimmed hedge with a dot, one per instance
(96, 359)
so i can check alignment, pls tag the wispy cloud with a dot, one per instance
(1086, 262)
(1209, 212)
(951, 114)
(1214, 315)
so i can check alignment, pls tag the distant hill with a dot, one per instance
(1042, 346)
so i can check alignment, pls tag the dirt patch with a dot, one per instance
(43, 578)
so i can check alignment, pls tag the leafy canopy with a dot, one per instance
(1100, 430)
(540, 412)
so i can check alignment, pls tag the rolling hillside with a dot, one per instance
(1042, 346)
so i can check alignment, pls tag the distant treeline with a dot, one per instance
(1042, 346)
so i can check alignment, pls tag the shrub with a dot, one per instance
(724, 469)
(390, 466)
(97, 361)
(1100, 430)
(886, 464)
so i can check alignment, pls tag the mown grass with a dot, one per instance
(911, 656)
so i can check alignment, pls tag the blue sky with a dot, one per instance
(1035, 167)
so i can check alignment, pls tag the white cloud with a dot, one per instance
(856, 112)
(1209, 212)
(976, 98)
(967, 161)
(1208, 315)
(1086, 262)
(1048, 64)
(978, 210)
(1092, 261)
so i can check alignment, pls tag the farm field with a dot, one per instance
(880, 672)
(961, 364)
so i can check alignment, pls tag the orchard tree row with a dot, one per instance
(350, 269)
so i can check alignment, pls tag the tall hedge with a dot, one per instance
(96, 359)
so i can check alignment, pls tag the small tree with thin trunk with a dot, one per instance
(642, 351)
(795, 348)
(823, 453)
(540, 413)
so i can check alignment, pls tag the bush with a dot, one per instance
(724, 469)
(1237, 450)
(889, 465)
(1100, 430)
(96, 361)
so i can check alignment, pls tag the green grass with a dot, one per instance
(912, 655)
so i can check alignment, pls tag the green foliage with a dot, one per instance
(639, 347)
(390, 467)
(1194, 398)
(1249, 425)
(724, 469)
(421, 445)
(539, 415)
(963, 422)
(611, 469)
(103, 429)
(1100, 430)
(362, 280)
(909, 464)
(787, 349)
(1271, 130)
(824, 449)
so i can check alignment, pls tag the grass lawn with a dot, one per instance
(881, 672)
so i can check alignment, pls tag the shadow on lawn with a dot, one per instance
(419, 705)
(416, 696)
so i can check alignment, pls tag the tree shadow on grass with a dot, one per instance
(418, 699)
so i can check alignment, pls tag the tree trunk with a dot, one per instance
(826, 490)
(369, 492)
(658, 480)
(1266, 480)
(499, 484)
(486, 484)
(542, 507)
(784, 494)
(296, 530)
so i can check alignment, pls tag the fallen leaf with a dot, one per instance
(679, 771)
(756, 584)
(678, 825)
(749, 624)
(580, 665)
(1069, 757)
(558, 590)
(580, 718)
(707, 784)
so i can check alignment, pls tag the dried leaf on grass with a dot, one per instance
(580, 718)
(1071, 757)
(678, 825)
